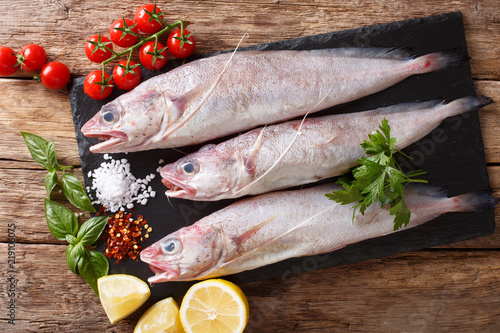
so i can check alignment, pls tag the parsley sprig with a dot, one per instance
(378, 176)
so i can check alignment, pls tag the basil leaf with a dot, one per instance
(71, 239)
(73, 190)
(60, 220)
(51, 157)
(73, 255)
(50, 182)
(91, 230)
(37, 147)
(91, 266)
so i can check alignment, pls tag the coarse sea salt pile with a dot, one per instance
(116, 188)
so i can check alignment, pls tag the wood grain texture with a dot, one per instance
(446, 289)
(63, 26)
(426, 291)
(28, 106)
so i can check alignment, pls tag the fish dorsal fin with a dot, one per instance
(207, 94)
(275, 239)
(250, 161)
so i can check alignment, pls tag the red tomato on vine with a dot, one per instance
(98, 48)
(55, 75)
(96, 86)
(126, 76)
(8, 61)
(32, 57)
(124, 36)
(181, 45)
(152, 58)
(149, 18)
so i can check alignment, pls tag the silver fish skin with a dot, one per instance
(202, 100)
(277, 157)
(262, 230)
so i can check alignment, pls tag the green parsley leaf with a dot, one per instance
(378, 177)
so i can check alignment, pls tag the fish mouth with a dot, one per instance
(162, 274)
(109, 138)
(176, 189)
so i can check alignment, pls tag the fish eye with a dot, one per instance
(190, 167)
(171, 246)
(109, 116)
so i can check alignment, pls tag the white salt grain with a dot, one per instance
(116, 187)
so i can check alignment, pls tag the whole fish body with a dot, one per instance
(229, 93)
(291, 153)
(262, 230)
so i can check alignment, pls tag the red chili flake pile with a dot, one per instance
(123, 235)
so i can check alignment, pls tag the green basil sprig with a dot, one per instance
(62, 222)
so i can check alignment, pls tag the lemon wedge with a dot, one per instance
(161, 317)
(121, 294)
(214, 305)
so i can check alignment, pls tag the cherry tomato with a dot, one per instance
(8, 61)
(124, 76)
(97, 88)
(180, 46)
(147, 23)
(152, 59)
(95, 48)
(55, 75)
(118, 37)
(32, 57)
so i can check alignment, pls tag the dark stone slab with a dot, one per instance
(453, 154)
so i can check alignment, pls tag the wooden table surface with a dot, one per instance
(450, 288)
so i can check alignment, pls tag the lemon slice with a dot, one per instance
(214, 306)
(161, 317)
(121, 294)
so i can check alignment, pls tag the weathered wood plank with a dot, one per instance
(490, 119)
(30, 107)
(21, 202)
(63, 26)
(431, 291)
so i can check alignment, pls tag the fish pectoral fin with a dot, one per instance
(182, 103)
(188, 104)
(238, 240)
(250, 162)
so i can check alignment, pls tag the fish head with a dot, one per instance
(129, 122)
(187, 254)
(207, 174)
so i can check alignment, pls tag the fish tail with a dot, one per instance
(439, 60)
(418, 195)
(473, 202)
(467, 104)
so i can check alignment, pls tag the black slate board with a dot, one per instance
(453, 154)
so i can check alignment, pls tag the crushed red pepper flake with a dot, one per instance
(123, 235)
